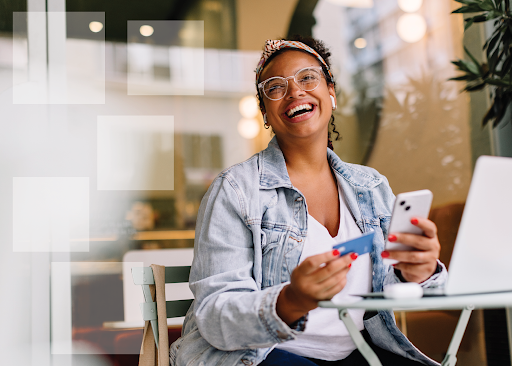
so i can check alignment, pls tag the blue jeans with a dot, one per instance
(284, 358)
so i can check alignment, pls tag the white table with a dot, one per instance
(465, 302)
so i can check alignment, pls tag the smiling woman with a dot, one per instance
(263, 255)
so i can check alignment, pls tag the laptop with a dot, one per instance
(481, 261)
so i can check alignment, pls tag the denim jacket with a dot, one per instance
(251, 227)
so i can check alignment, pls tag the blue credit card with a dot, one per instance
(361, 245)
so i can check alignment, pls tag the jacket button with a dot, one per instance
(247, 362)
(299, 199)
(360, 195)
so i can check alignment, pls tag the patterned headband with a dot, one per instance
(272, 46)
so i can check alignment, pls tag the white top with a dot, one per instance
(326, 336)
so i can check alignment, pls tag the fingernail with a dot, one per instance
(384, 254)
(391, 237)
(335, 252)
(414, 221)
(349, 265)
(353, 256)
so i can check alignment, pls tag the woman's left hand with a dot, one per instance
(417, 265)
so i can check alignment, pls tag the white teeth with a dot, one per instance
(298, 108)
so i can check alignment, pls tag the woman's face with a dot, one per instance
(315, 106)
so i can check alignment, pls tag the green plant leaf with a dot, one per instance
(469, 23)
(493, 60)
(473, 8)
(461, 65)
(507, 66)
(492, 44)
(475, 63)
(492, 15)
(487, 5)
(498, 82)
(472, 68)
(471, 88)
(489, 116)
(479, 18)
(498, 4)
(468, 2)
(468, 77)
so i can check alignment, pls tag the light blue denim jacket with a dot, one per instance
(250, 232)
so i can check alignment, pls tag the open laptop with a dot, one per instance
(481, 261)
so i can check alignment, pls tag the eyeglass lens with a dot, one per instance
(307, 79)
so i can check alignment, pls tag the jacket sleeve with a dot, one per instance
(232, 311)
(438, 279)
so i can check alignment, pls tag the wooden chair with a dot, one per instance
(177, 308)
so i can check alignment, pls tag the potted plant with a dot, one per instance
(496, 72)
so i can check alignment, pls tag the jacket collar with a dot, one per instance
(274, 174)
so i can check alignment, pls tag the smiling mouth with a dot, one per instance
(299, 110)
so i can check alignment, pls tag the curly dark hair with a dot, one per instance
(323, 51)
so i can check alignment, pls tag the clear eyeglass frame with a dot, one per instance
(261, 85)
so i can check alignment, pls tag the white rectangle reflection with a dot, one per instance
(165, 58)
(50, 214)
(135, 152)
(58, 69)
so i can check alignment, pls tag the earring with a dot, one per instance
(333, 101)
(265, 123)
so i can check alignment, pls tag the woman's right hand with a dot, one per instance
(317, 278)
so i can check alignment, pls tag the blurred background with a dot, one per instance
(116, 116)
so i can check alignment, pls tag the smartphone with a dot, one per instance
(407, 206)
(360, 245)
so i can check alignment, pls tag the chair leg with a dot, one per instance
(451, 356)
(509, 328)
(358, 339)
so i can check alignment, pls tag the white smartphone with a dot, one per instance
(407, 206)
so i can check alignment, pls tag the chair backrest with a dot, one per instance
(144, 276)
(133, 296)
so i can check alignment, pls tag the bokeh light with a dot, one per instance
(95, 26)
(353, 3)
(146, 30)
(410, 6)
(411, 27)
(248, 128)
(360, 43)
(248, 106)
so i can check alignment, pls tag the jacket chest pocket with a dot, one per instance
(272, 252)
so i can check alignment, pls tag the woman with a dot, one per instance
(261, 257)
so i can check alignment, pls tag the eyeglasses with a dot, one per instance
(307, 79)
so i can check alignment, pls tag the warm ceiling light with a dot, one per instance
(360, 43)
(411, 27)
(248, 106)
(95, 26)
(248, 128)
(353, 3)
(146, 30)
(410, 6)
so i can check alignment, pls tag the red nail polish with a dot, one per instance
(391, 237)
(384, 254)
(414, 221)
(353, 256)
(335, 252)
(349, 265)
